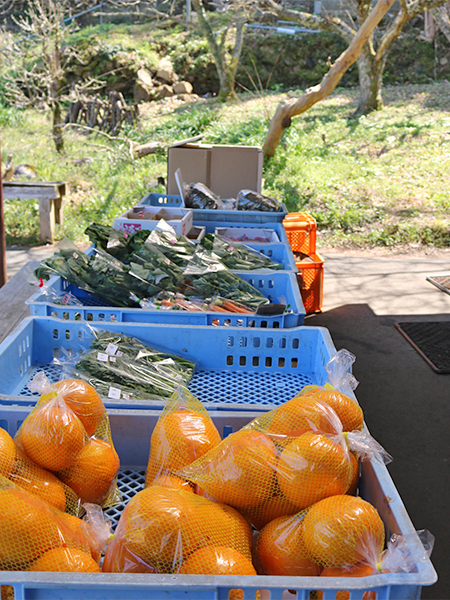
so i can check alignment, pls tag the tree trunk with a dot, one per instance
(370, 73)
(292, 107)
(57, 127)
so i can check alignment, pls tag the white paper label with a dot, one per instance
(114, 393)
(102, 357)
(112, 359)
(111, 349)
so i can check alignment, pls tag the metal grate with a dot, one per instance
(130, 482)
(431, 339)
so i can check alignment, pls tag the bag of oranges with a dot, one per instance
(164, 530)
(401, 555)
(35, 536)
(284, 461)
(183, 433)
(68, 433)
(23, 472)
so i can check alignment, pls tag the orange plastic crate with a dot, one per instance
(310, 282)
(301, 232)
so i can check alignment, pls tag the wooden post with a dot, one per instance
(3, 271)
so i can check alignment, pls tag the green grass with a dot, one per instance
(379, 180)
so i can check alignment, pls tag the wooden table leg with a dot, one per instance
(47, 219)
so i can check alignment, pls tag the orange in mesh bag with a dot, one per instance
(183, 433)
(279, 549)
(93, 475)
(22, 471)
(30, 529)
(240, 471)
(161, 528)
(339, 530)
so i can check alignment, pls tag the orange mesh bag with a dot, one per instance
(339, 531)
(55, 436)
(335, 393)
(240, 471)
(397, 558)
(33, 533)
(161, 529)
(183, 433)
(279, 549)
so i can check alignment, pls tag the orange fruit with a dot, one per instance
(93, 472)
(85, 402)
(6, 592)
(313, 467)
(221, 525)
(358, 570)
(118, 559)
(179, 438)
(7, 453)
(240, 471)
(66, 560)
(172, 481)
(52, 435)
(355, 477)
(79, 535)
(277, 506)
(302, 414)
(218, 560)
(280, 549)
(339, 531)
(156, 526)
(28, 528)
(198, 490)
(347, 409)
(36, 480)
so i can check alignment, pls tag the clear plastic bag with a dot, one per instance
(183, 433)
(248, 200)
(238, 256)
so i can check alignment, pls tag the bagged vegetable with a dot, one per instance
(183, 433)
(179, 250)
(238, 256)
(248, 200)
(165, 530)
(198, 195)
(206, 277)
(121, 366)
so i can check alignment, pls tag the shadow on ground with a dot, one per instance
(406, 407)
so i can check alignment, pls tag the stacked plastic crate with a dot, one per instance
(301, 233)
(252, 363)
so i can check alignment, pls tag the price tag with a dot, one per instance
(212, 268)
(75, 255)
(65, 299)
(111, 349)
(102, 357)
(167, 261)
(126, 396)
(112, 359)
(114, 393)
(119, 353)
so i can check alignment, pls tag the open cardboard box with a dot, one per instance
(225, 170)
(148, 217)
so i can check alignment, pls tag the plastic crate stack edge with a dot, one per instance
(301, 232)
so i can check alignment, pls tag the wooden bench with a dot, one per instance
(49, 195)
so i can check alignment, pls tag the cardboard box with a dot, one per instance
(148, 217)
(225, 170)
(248, 234)
(196, 234)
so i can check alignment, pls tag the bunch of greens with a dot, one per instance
(124, 364)
(100, 274)
(206, 277)
(239, 257)
(119, 244)
(178, 250)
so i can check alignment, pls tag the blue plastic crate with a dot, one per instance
(278, 286)
(233, 216)
(210, 227)
(131, 432)
(258, 367)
